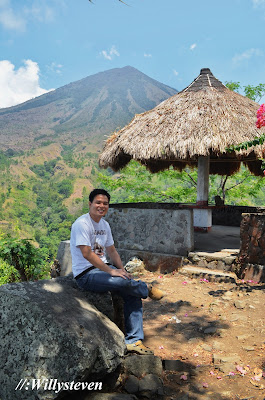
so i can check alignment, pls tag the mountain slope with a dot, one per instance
(83, 110)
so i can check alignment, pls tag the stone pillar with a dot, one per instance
(203, 180)
(203, 216)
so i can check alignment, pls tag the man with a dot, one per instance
(90, 238)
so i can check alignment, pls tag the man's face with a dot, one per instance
(99, 207)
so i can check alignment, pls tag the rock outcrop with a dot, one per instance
(49, 330)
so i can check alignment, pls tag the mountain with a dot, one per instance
(49, 148)
(85, 110)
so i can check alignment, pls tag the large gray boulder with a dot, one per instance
(49, 330)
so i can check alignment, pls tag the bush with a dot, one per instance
(26, 262)
(8, 273)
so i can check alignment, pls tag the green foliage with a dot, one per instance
(254, 93)
(30, 263)
(44, 170)
(136, 184)
(8, 273)
(245, 145)
(234, 86)
(241, 188)
(65, 187)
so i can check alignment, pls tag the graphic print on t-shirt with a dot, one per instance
(98, 248)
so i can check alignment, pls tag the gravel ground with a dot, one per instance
(212, 332)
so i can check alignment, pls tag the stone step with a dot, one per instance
(209, 274)
(220, 260)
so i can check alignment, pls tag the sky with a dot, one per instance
(46, 44)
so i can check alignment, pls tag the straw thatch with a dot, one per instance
(203, 119)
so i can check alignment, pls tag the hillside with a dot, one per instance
(84, 110)
(49, 148)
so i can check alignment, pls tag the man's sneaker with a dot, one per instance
(155, 293)
(139, 348)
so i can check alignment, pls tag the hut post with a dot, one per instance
(203, 180)
(202, 214)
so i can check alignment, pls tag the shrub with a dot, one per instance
(26, 262)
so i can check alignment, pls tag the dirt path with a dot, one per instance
(214, 330)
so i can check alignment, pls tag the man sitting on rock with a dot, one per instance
(90, 238)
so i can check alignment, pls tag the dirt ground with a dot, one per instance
(214, 330)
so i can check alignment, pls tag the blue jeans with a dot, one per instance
(130, 290)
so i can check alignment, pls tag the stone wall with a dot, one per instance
(159, 236)
(231, 215)
(252, 249)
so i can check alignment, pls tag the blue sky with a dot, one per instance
(45, 44)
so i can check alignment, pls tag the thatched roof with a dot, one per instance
(203, 119)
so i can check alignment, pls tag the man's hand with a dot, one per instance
(121, 273)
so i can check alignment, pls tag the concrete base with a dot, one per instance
(202, 219)
(155, 262)
(163, 263)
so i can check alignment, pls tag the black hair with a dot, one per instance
(95, 192)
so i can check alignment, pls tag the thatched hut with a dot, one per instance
(192, 128)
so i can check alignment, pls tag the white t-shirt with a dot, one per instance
(85, 231)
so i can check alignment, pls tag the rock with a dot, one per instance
(219, 346)
(226, 364)
(139, 365)
(210, 330)
(196, 258)
(248, 348)
(174, 365)
(150, 385)
(220, 265)
(227, 296)
(134, 265)
(49, 330)
(64, 258)
(132, 384)
(206, 347)
(243, 337)
(202, 263)
(239, 304)
(183, 397)
(111, 396)
(229, 260)
(212, 265)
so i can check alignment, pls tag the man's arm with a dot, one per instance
(114, 256)
(97, 262)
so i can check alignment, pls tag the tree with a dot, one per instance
(254, 93)
(134, 183)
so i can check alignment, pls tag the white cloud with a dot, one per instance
(40, 12)
(109, 55)
(246, 55)
(56, 68)
(175, 72)
(17, 86)
(192, 47)
(147, 55)
(13, 18)
(9, 19)
(258, 3)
